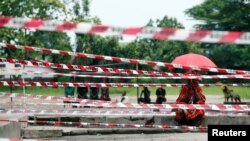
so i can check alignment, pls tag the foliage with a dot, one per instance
(46, 9)
(159, 50)
(229, 15)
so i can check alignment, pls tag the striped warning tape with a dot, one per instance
(209, 107)
(46, 97)
(17, 139)
(126, 60)
(120, 112)
(86, 112)
(87, 68)
(142, 32)
(244, 76)
(181, 76)
(109, 125)
(86, 84)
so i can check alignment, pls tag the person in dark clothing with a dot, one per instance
(82, 92)
(145, 96)
(160, 95)
(105, 94)
(94, 92)
(69, 91)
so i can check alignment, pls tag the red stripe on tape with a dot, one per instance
(98, 29)
(132, 31)
(66, 26)
(198, 35)
(4, 20)
(33, 23)
(230, 37)
(164, 33)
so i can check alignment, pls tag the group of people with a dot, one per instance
(160, 95)
(82, 92)
(191, 93)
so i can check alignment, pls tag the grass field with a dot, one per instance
(243, 91)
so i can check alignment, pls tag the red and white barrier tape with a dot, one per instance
(46, 97)
(86, 112)
(142, 32)
(16, 139)
(109, 125)
(243, 76)
(126, 60)
(40, 73)
(87, 68)
(96, 112)
(210, 107)
(86, 84)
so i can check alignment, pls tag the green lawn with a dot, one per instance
(243, 91)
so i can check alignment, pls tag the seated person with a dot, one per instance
(160, 95)
(69, 91)
(191, 93)
(124, 98)
(145, 96)
(94, 92)
(82, 92)
(105, 94)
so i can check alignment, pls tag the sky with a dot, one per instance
(138, 12)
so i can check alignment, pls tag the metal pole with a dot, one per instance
(10, 86)
(138, 101)
(22, 75)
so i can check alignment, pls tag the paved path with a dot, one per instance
(140, 137)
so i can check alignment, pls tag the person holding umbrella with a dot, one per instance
(191, 93)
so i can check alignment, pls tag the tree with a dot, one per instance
(219, 15)
(46, 9)
(160, 50)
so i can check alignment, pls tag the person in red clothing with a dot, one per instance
(191, 93)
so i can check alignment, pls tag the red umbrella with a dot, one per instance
(194, 59)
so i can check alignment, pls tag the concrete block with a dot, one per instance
(10, 130)
(41, 133)
(75, 132)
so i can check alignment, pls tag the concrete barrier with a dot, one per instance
(159, 120)
(11, 129)
(41, 133)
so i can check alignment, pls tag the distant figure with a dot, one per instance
(160, 95)
(145, 96)
(82, 92)
(105, 94)
(94, 92)
(124, 98)
(191, 93)
(230, 94)
(69, 91)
